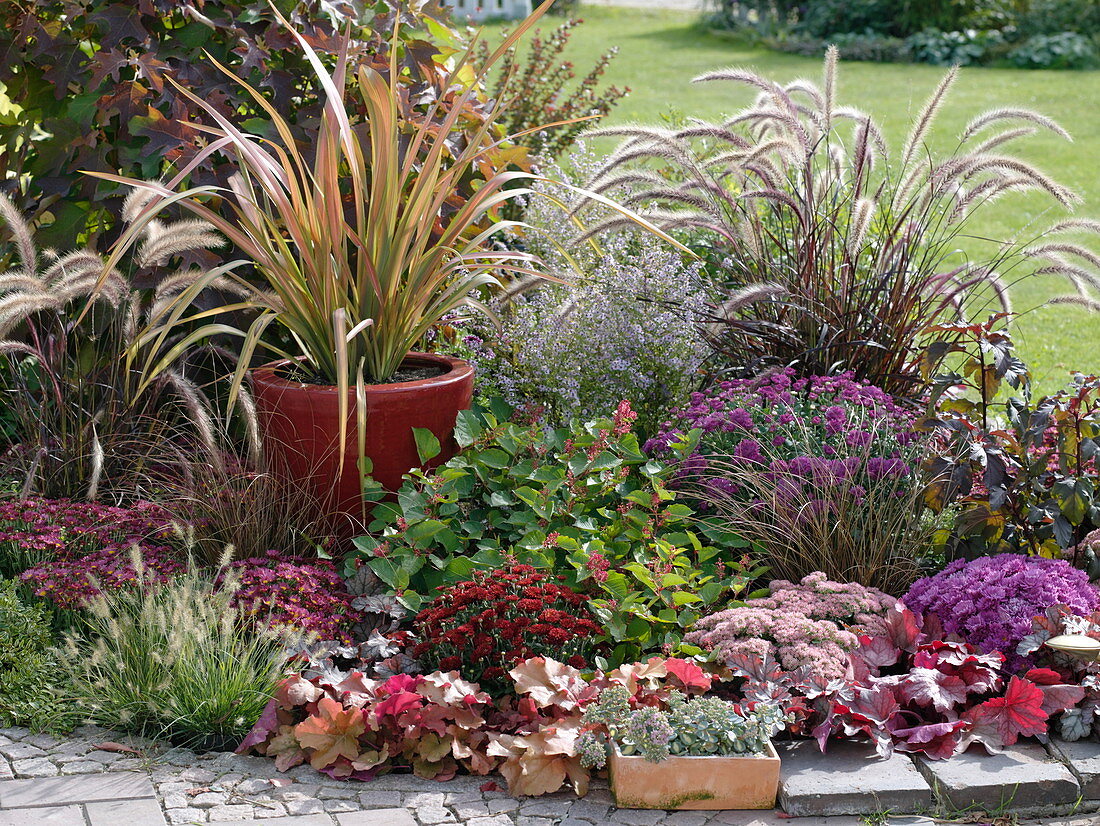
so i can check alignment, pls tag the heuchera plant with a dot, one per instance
(75, 549)
(990, 602)
(1055, 667)
(812, 624)
(583, 501)
(347, 725)
(501, 618)
(910, 691)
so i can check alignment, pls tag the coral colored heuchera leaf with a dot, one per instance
(451, 690)
(999, 722)
(332, 733)
(297, 691)
(541, 762)
(286, 749)
(691, 677)
(551, 683)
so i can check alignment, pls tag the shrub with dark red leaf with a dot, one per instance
(280, 590)
(500, 618)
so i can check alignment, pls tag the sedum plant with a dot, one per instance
(834, 253)
(695, 727)
(28, 669)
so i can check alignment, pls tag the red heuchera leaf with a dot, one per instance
(904, 629)
(1043, 676)
(759, 669)
(397, 704)
(936, 740)
(1057, 695)
(876, 705)
(692, 678)
(266, 726)
(999, 722)
(980, 672)
(877, 652)
(400, 682)
(332, 733)
(929, 687)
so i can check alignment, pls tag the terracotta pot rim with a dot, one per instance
(457, 370)
(771, 754)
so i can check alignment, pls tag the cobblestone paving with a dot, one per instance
(72, 782)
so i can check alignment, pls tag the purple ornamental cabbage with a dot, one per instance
(990, 601)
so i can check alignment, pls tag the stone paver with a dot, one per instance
(76, 789)
(1023, 777)
(47, 816)
(1083, 758)
(165, 786)
(125, 813)
(849, 779)
(379, 817)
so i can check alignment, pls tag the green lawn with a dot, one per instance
(660, 52)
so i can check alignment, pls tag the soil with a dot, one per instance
(407, 372)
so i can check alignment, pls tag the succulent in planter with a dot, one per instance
(690, 727)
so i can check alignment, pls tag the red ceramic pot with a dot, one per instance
(301, 423)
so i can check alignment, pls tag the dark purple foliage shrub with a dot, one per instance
(991, 601)
(77, 549)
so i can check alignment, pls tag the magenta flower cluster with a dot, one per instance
(811, 625)
(821, 431)
(308, 594)
(990, 601)
(88, 547)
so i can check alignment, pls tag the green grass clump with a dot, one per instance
(176, 661)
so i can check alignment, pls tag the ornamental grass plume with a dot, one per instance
(835, 254)
(88, 419)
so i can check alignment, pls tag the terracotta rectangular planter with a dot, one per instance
(712, 782)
